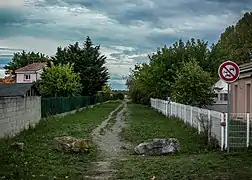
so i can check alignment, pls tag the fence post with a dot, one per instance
(166, 108)
(198, 121)
(247, 129)
(191, 115)
(209, 125)
(226, 132)
(222, 132)
(171, 104)
(185, 113)
(176, 114)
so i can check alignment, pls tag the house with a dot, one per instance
(241, 90)
(30, 73)
(18, 90)
(221, 97)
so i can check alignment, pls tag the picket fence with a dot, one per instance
(239, 127)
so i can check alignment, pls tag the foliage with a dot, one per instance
(88, 62)
(22, 59)
(60, 81)
(157, 78)
(193, 86)
(106, 92)
(119, 95)
(236, 42)
(138, 89)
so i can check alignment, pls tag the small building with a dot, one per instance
(30, 73)
(241, 90)
(18, 90)
(221, 97)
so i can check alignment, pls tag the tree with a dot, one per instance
(22, 59)
(60, 81)
(88, 62)
(106, 92)
(235, 42)
(193, 86)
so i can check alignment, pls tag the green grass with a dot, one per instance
(39, 159)
(192, 163)
(145, 123)
(187, 167)
(112, 120)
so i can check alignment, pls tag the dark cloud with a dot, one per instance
(141, 24)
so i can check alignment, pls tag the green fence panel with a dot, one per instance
(56, 105)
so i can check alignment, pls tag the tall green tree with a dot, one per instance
(23, 58)
(60, 81)
(193, 86)
(235, 42)
(88, 62)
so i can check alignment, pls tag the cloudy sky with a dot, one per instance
(127, 30)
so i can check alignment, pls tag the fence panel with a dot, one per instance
(240, 124)
(196, 117)
(56, 105)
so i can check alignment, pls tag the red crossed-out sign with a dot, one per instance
(229, 71)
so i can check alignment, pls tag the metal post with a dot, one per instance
(228, 117)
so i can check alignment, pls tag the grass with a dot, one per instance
(112, 120)
(192, 163)
(145, 123)
(39, 160)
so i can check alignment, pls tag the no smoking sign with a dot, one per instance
(229, 71)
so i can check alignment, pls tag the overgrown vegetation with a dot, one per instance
(38, 160)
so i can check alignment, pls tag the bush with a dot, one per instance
(119, 95)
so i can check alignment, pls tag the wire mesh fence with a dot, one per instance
(240, 126)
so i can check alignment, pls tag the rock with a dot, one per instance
(18, 146)
(71, 144)
(158, 147)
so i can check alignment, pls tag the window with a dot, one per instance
(27, 77)
(225, 96)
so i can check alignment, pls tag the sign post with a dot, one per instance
(228, 72)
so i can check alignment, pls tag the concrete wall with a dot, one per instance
(218, 107)
(17, 113)
(241, 96)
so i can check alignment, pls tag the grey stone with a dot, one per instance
(71, 144)
(158, 147)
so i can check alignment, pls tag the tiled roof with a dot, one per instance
(32, 67)
(14, 89)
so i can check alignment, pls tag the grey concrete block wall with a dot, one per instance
(17, 113)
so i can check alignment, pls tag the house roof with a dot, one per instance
(32, 67)
(245, 67)
(221, 85)
(15, 89)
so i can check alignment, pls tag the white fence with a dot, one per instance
(239, 126)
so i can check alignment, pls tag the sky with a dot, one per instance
(126, 30)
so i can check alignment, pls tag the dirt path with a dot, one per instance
(109, 144)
